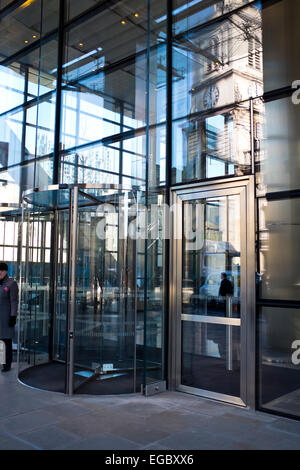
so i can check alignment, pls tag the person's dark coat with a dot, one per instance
(226, 288)
(8, 306)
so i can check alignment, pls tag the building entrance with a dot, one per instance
(80, 295)
(212, 294)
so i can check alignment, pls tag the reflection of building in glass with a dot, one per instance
(223, 69)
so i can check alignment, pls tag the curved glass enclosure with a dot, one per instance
(81, 315)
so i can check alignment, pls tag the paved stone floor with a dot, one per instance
(31, 419)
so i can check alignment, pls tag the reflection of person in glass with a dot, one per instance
(226, 287)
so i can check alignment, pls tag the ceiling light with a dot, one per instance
(123, 22)
(26, 42)
(26, 4)
(34, 36)
(80, 44)
(136, 15)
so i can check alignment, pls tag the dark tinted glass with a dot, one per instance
(279, 359)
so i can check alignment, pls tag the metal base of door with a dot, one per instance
(212, 395)
(154, 388)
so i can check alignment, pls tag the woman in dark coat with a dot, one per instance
(8, 312)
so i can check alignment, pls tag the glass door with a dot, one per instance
(211, 304)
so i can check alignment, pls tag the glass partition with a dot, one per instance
(278, 368)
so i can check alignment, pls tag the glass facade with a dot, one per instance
(151, 95)
(277, 165)
(218, 70)
(83, 100)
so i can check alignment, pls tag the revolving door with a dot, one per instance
(82, 302)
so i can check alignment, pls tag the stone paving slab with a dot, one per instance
(105, 441)
(39, 420)
(50, 438)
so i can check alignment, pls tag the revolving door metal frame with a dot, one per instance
(73, 206)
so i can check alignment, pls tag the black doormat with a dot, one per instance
(51, 377)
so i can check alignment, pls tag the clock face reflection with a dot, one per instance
(211, 97)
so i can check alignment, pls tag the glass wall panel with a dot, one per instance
(21, 178)
(37, 137)
(281, 52)
(158, 84)
(207, 147)
(157, 165)
(216, 71)
(131, 15)
(215, 66)
(279, 154)
(279, 254)
(12, 86)
(189, 14)
(35, 295)
(33, 75)
(279, 359)
(28, 101)
(9, 232)
(85, 118)
(27, 24)
(113, 41)
(43, 172)
(41, 67)
(10, 185)
(39, 132)
(94, 164)
(11, 129)
(106, 163)
(76, 7)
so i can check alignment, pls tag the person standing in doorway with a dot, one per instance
(9, 293)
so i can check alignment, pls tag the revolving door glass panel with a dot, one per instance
(35, 294)
(84, 339)
(105, 312)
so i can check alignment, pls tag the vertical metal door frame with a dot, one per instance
(243, 186)
(72, 251)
